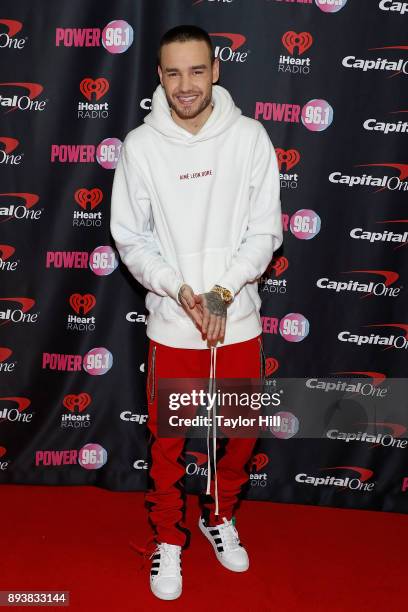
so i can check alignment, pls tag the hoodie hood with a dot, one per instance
(223, 115)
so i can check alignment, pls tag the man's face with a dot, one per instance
(187, 76)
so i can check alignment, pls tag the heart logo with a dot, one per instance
(271, 365)
(291, 157)
(83, 197)
(77, 402)
(86, 302)
(302, 41)
(98, 87)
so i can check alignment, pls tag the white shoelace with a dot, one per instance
(169, 560)
(211, 389)
(229, 535)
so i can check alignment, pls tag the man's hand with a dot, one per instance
(189, 301)
(214, 316)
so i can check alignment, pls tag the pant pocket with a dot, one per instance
(151, 376)
(262, 361)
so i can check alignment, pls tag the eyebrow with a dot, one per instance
(200, 66)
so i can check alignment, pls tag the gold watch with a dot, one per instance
(225, 294)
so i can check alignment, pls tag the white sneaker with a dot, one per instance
(225, 541)
(165, 573)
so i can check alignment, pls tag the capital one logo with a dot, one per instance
(389, 342)
(8, 38)
(15, 414)
(10, 314)
(358, 233)
(6, 251)
(6, 155)
(377, 378)
(369, 289)
(392, 183)
(393, 6)
(195, 468)
(377, 439)
(395, 66)
(358, 481)
(19, 211)
(231, 52)
(3, 464)
(23, 101)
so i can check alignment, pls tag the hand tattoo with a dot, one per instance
(215, 304)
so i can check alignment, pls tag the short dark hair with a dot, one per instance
(184, 33)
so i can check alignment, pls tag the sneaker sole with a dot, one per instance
(217, 554)
(166, 596)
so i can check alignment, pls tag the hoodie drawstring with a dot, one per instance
(212, 390)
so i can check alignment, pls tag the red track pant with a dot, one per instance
(166, 499)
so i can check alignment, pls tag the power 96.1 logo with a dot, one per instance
(317, 115)
(98, 361)
(103, 260)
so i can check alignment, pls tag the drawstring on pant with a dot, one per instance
(212, 390)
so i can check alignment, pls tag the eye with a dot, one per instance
(198, 72)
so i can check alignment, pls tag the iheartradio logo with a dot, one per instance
(94, 87)
(302, 41)
(80, 302)
(77, 403)
(290, 158)
(279, 265)
(88, 198)
(258, 461)
(271, 365)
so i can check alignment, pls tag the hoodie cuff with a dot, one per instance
(171, 283)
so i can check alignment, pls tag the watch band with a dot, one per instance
(224, 293)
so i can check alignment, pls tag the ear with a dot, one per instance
(216, 70)
(159, 70)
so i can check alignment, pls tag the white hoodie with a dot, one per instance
(201, 209)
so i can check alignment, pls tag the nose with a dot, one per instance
(185, 83)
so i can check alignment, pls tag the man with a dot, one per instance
(196, 218)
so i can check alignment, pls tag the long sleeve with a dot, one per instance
(131, 229)
(264, 233)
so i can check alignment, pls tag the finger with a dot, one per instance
(217, 328)
(206, 319)
(190, 298)
(223, 327)
(196, 316)
(211, 326)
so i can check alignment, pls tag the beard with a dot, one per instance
(194, 110)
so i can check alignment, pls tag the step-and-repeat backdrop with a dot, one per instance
(326, 78)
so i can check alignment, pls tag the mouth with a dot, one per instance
(187, 100)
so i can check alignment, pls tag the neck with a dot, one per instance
(195, 124)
